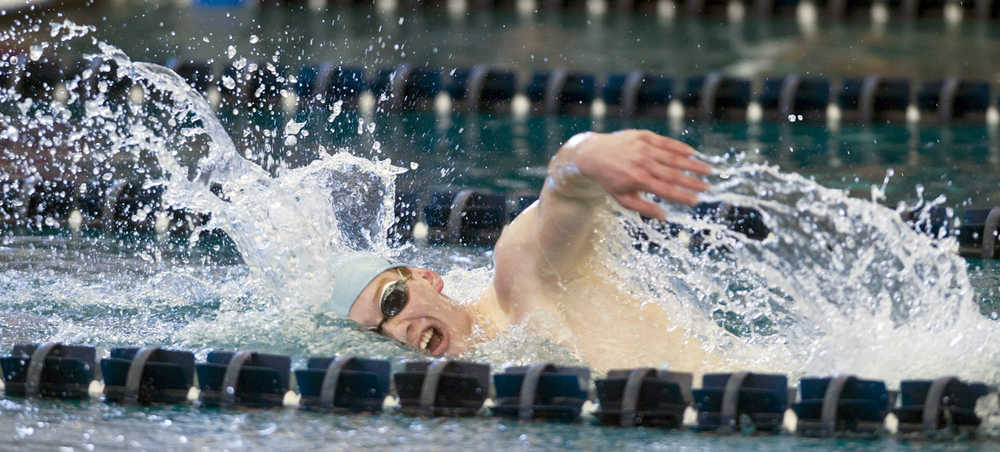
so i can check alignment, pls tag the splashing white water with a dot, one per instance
(287, 227)
(840, 285)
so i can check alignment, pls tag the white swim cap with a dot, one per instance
(354, 272)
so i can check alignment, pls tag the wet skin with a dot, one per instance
(546, 276)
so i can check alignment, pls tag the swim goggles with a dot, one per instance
(394, 297)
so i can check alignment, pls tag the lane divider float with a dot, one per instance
(737, 402)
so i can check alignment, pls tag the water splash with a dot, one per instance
(287, 226)
(840, 285)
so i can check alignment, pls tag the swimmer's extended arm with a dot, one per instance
(556, 234)
(624, 164)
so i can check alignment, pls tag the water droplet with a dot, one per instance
(228, 82)
(11, 133)
(240, 63)
(293, 128)
(254, 39)
(290, 140)
(414, 165)
(335, 110)
(35, 52)
(231, 52)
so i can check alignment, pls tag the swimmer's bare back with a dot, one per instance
(545, 269)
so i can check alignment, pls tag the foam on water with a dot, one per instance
(841, 285)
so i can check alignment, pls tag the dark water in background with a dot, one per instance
(362, 35)
(498, 152)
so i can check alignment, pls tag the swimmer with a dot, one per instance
(546, 274)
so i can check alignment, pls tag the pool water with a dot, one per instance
(111, 290)
(506, 154)
(103, 427)
(364, 36)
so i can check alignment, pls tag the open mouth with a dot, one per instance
(432, 341)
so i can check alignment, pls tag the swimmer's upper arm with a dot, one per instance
(549, 238)
(538, 250)
(546, 243)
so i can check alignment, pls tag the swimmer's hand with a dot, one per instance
(624, 165)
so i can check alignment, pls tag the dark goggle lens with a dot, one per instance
(394, 300)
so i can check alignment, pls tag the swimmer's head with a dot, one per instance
(419, 315)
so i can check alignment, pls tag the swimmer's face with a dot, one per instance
(429, 322)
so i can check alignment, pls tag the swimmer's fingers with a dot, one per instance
(676, 177)
(634, 201)
(670, 191)
(666, 144)
(681, 162)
